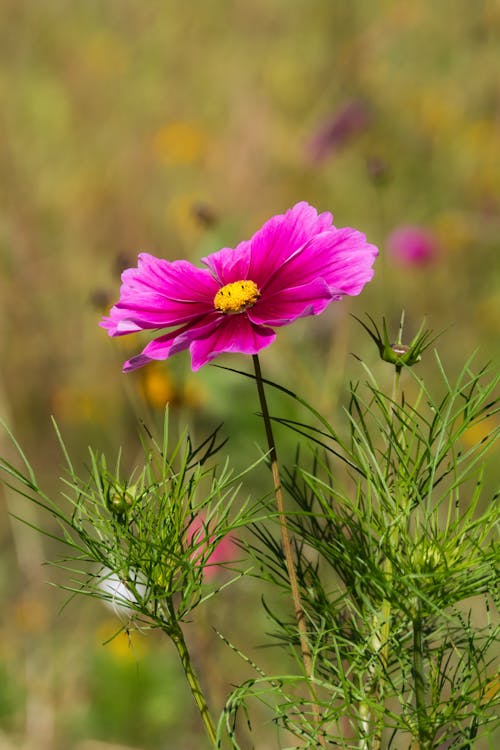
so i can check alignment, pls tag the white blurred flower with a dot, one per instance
(117, 595)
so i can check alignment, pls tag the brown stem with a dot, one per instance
(287, 546)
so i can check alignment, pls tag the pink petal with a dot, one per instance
(341, 257)
(289, 304)
(160, 294)
(228, 265)
(118, 326)
(173, 342)
(178, 279)
(281, 237)
(277, 239)
(235, 333)
(160, 348)
(124, 319)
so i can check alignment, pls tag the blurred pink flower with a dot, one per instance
(224, 553)
(337, 129)
(412, 245)
(295, 265)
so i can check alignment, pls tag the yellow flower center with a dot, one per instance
(236, 297)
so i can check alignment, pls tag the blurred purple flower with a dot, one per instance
(338, 129)
(295, 265)
(412, 245)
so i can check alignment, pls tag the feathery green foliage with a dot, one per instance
(396, 555)
(395, 543)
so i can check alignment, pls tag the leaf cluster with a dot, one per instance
(397, 557)
(127, 540)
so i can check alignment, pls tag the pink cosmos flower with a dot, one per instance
(294, 266)
(412, 245)
(224, 552)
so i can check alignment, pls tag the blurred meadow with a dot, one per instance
(178, 128)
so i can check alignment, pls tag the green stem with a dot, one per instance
(393, 534)
(287, 545)
(419, 680)
(382, 623)
(177, 637)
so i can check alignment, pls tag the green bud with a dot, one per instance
(120, 500)
(398, 354)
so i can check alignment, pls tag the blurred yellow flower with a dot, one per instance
(158, 388)
(124, 646)
(180, 143)
(157, 385)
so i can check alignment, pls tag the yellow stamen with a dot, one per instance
(236, 297)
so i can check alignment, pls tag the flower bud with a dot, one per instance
(120, 500)
(398, 354)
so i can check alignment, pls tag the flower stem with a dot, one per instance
(177, 637)
(419, 679)
(287, 545)
(382, 623)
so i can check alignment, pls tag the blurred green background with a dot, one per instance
(178, 128)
